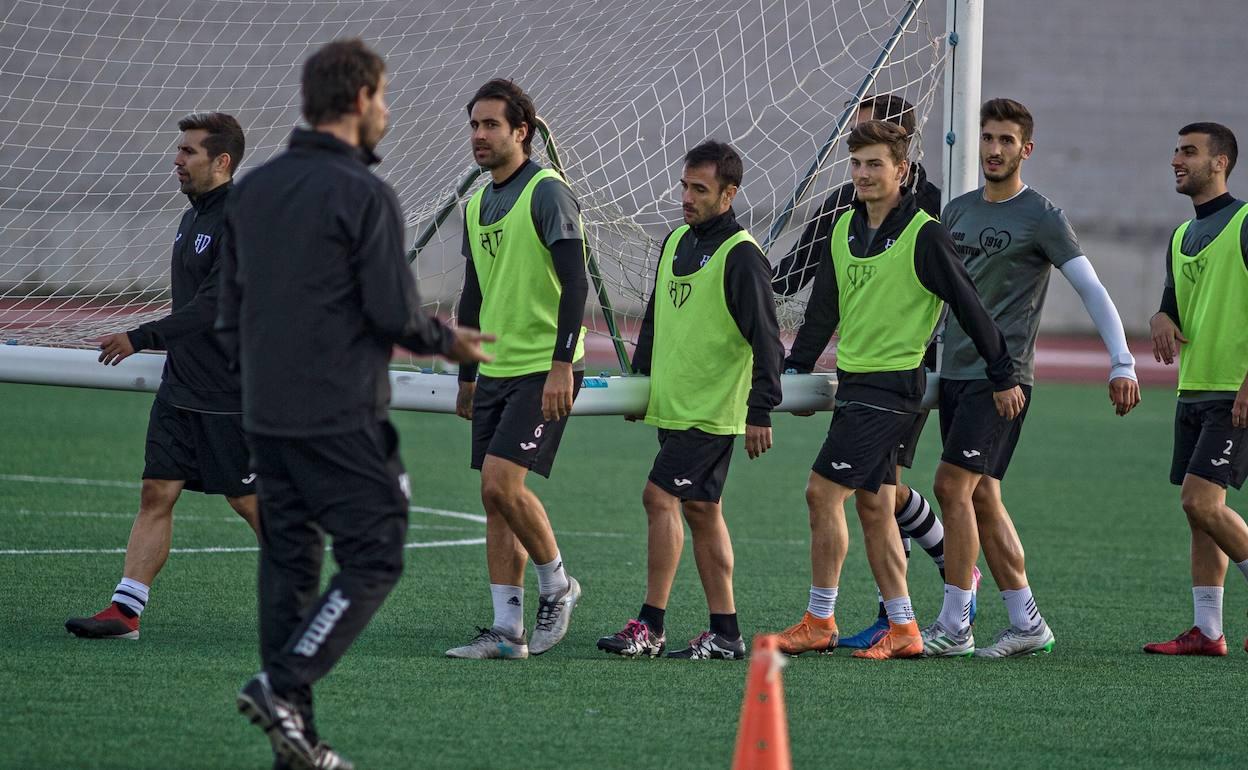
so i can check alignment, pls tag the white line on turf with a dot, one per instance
(73, 481)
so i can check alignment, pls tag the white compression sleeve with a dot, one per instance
(1082, 277)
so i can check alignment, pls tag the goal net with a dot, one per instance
(90, 93)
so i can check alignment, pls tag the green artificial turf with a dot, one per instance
(1107, 557)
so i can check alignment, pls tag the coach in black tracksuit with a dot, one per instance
(316, 290)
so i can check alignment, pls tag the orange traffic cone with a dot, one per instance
(763, 736)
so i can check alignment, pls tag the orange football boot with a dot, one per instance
(812, 634)
(903, 640)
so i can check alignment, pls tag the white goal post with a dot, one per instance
(92, 93)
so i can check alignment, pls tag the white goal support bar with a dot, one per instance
(410, 390)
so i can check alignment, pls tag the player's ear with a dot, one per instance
(1028, 146)
(221, 163)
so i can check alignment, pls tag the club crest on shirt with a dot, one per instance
(679, 291)
(201, 242)
(491, 240)
(859, 275)
(1193, 270)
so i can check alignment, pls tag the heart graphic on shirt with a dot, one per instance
(993, 241)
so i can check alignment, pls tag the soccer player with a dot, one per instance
(1204, 308)
(1008, 236)
(711, 345)
(195, 431)
(891, 266)
(915, 516)
(524, 280)
(316, 291)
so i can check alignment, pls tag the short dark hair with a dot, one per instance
(891, 135)
(224, 135)
(333, 76)
(727, 161)
(892, 108)
(1221, 140)
(1010, 111)
(519, 107)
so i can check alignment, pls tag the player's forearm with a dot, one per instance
(1104, 314)
(568, 258)
(644, 351)
(468, 314)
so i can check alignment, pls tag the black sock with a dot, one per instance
(126, 610)
(652, 617)
(725, 626)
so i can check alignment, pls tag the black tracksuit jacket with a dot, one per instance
(316, 289)
(197, 374)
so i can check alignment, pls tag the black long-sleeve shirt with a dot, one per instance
(747, 290)
(799, 266)
(316, 289)
(940, 271)
(197, 375)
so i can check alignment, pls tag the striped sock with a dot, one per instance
(1022, 608)
(955, 612)
(132, 595)
(917, 520)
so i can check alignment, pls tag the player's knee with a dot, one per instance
(659, 503)
(986, 500)
(497, 495)
(950, 491)
(1201, 509)
(701, 515)
(157, 497)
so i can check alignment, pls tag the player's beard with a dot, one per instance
(1196, 181)
(1009, 166)
(493, 158)
(372, 128)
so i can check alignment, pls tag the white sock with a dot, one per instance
(899, 610)
(508, 608)
(822, 602)
(955, 612)
(1022, 608)
(552, 580)
(132, 594)
(1207, 603)
(1243, 567)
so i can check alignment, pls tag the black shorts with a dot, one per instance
(206, 451)
(905, 450)
(860, 451)
(692, 464)
(1206, 445)
(975, 436)
(507, 421)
